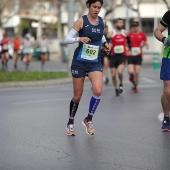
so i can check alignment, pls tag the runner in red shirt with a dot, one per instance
(118, 54)
(138, 40)
(16, 46)
(4, 53)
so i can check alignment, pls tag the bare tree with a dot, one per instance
(131, 7)
(59, 26)
(166, 3)
(109, 6)
(8, 9)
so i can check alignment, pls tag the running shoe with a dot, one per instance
(106, 81)
(6, 64)
(131, 79)
(121, 89)
(70, 130)
(3, 67)
(42, 67)
(89, 127)
(165, 126)
(135, 89)
(117, 92)
(15, 66)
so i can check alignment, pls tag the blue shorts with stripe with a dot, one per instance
(165, 69)
(81, 69)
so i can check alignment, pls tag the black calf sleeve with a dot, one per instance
(73, 107)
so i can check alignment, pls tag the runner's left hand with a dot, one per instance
(107, 48)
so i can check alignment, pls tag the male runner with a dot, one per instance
(118, 54)
(138, 40)
(165, 68)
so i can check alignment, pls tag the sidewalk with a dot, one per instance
(36, 83)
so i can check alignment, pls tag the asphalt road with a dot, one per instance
(128, 130)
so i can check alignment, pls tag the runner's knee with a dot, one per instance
(97, 92)
(114, 77)
(137, 72)
(167, 91)
(130, 71)
(120, 73)
(77, 96)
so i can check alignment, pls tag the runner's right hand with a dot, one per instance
(166, 42)
(84, 40)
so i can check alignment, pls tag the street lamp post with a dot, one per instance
(71, 12)
(127, 18)
(39, 28)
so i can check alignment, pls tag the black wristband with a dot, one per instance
(163, 39)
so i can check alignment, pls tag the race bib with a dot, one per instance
(19, 51)
(90, 52)
(119, 49)
(5, 47)
(136, 50)
(28, 51)
(44, 49)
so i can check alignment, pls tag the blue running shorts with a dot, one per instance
(165, 69)
(82, 69)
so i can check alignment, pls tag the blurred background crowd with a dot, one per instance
(54, 17)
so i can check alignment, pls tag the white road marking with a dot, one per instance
(40, 101)
(149, 85)
(148, 80)
(161, 116)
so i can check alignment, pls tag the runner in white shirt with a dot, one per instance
(43, 44)
(27, 50)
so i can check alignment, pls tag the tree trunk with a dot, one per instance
(139, 16)
(166, 3)
(59, 26)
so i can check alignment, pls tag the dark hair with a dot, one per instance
(135, 24)
(89, 2)
(117, 19)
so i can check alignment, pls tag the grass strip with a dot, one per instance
(18, 76)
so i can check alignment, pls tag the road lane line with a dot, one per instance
(161, 116)
(148, 80)
(41, 101)
(149, 85)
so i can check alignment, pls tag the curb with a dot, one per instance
(36, 83)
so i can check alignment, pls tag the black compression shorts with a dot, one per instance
(135, 60)
(117, 60)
